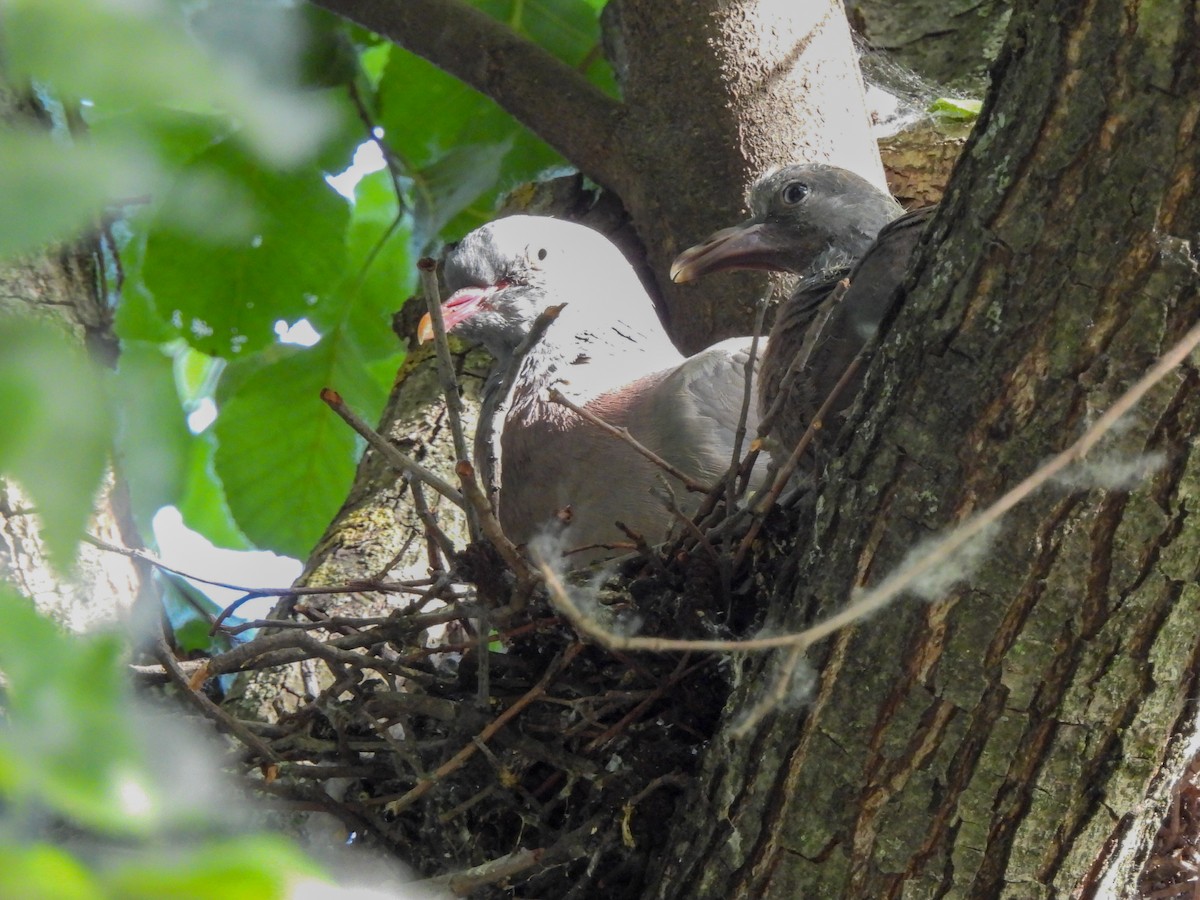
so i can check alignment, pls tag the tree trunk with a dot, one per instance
(950, 44)
(64, 285)
(1017, 736)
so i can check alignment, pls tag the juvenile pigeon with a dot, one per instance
(606, 351)
(825, 224)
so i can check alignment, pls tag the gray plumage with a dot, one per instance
(827, 225)
(606, 351)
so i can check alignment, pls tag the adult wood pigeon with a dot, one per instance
(607, 351)
(825, 224)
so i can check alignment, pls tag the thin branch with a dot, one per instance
(454, 408)
(644, 549)
(490, 526)
(396, 805)
(335, 402)
(747, 396)
(291, 644)
(349, 587)
(576, 118)
(464, 882)
(767, 497)
(436, 539)
(622, 434)
(433, 302)
(209, 709)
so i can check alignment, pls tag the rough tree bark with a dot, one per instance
(1018, 736)
(63, 285)
(951, 44)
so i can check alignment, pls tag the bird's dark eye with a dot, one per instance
(541, 254)
(795, 192)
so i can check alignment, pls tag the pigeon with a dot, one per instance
(607, 352)
(850, 242)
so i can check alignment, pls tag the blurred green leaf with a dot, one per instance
(137, 316)
(228, 292)
(152, 438)
(142, 55)
(52, 190)
(248, 868)
(374, 60)
(56, 433)
(285, 459)
(41, 872)
(66, 743)
(196, 374)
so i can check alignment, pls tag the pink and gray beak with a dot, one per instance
(744, 246)
(462, 304)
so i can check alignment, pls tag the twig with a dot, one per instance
(465, 882)
(335, 402)
(766, 498)
(644, 548)
(429, 286)
(290, 646)
(483, 667)
(433, 301)
(209, 709)
(490, 526)
(562, 850)
(747, 396)
(690, 526)
(437, 539)
(903, 578)
(396, 805)
(622, 434)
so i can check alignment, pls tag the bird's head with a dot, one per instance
(505, 274)
(804, 218)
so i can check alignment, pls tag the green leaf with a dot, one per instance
(143, 55)
(374, 60)
(285, 459)
(227, 291)
(381, 272)
(196, 374)
(567, 28)
(137, 317)
(203, 505)
(448, 186)
(42, 872)
(247, 868)
(50, 189)
(56, 432)
(67, 743)
(152, 438)
(461, 150)
(955, 109)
